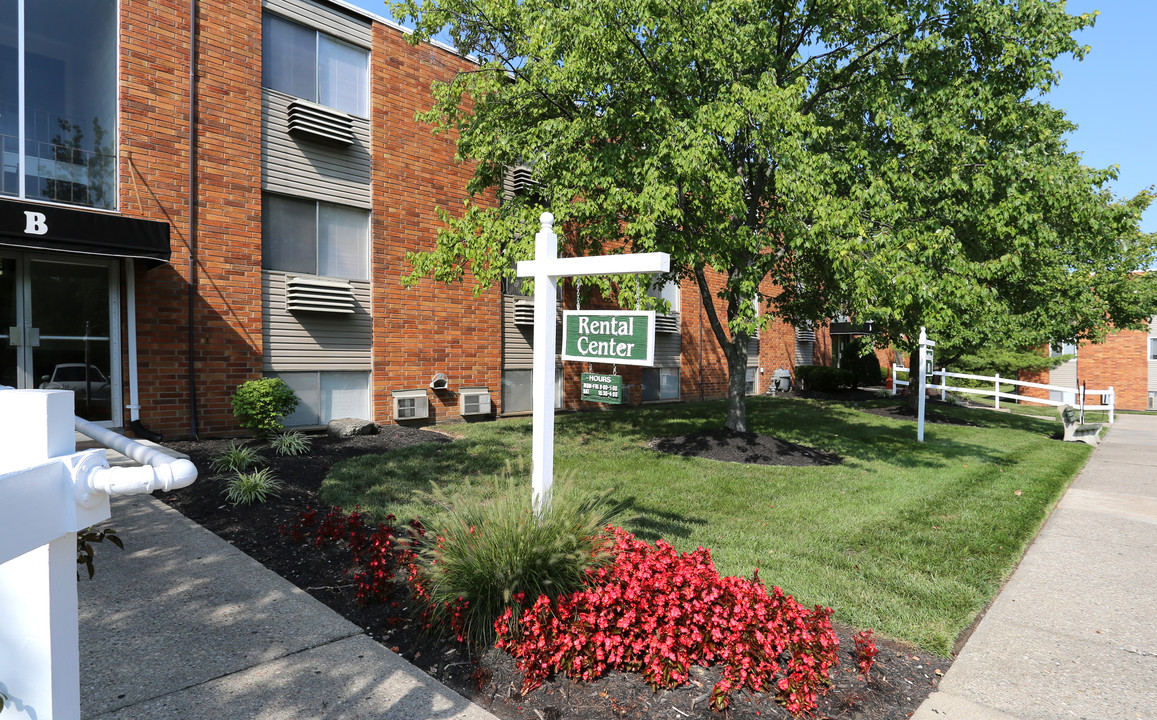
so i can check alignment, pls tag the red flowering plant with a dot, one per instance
(656, 612)
(865, 651)
(377, 553)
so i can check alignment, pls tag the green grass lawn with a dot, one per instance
(910, 539)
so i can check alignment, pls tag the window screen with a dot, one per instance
(311, 65)
(312, 237)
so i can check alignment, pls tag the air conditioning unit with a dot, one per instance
(474, 401)
(411, 405)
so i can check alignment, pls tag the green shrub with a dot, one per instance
(252, 487)
(292, 442)
(820, 378)
(238, 458)
(859, 359)
(487, 553)
(259, 405)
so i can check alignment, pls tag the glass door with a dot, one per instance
(60, 330)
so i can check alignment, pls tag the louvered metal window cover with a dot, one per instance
(314, 294)
(321, 123)
(805, 334)
(522, 179)
(524, 312)
(667, 323)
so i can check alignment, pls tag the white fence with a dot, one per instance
(49, 492)
(1076, 397)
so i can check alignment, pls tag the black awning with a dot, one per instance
(846, 328)
(50, 227)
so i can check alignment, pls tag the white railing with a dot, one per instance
(49, 492)
(1079, 395)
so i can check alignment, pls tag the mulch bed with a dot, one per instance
(900, 680)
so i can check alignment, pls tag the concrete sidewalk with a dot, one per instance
(183, 625)
(1074, 632)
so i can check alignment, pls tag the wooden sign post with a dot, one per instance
(546, 269)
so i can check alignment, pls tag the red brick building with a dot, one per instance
(194, 194)
(1126, 362)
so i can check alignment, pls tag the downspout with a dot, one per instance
(134, 405)
(192, 380)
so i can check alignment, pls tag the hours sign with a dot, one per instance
(622, 337)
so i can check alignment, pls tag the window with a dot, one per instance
(65, 150)
(326, 396)
(1062, 348)
(750, 386)
(313, 237)
(666, 291)
(518, 390)
(660, 384)
(1153, 348)
(311, 65)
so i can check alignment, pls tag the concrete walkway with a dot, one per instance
(1074, 632)
(183, 625)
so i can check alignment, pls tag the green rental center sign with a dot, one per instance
(623, 337)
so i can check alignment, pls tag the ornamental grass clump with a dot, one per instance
(238, 458)
(291, 443)
(252, 487)
(657, 613)
(487, 554)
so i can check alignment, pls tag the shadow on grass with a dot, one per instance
(651, 524)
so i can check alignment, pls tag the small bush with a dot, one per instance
(259, 405)
(819, 378)
(486, 555)
(238, 458)
(252, 487)
(292, 443)
(860, 360)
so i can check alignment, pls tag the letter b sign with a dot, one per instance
(34, 223)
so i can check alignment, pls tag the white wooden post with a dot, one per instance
(546, 269)
(895, 377)
(925, 344)
(1112, 403)
(48, 492)
(39, 518)
(943, 384)
(997, 395)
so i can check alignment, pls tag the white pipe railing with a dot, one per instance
(158, 470)
(1079, 393)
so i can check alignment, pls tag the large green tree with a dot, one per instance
(885, 159)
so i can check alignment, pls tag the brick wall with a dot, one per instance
(1121, 362)
(226, 319)
(430, 327)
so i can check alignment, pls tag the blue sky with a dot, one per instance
(1111, 95)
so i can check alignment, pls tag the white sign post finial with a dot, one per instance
(546, 269)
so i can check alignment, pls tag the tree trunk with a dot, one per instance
(737, 385)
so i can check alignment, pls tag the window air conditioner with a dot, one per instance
(474, 401)
(411, 405)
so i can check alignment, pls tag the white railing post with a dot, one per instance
(943, 384)
(49, 492)
(1112, 403)
(996, 395)
(895, 377)
(40, 670)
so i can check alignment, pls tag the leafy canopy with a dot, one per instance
(887, 159)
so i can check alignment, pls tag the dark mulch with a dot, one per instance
(900, 681)
(743, 447)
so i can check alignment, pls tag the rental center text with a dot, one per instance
(606, 348)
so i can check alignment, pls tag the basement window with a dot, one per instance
(327, 396)
(660, 383)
